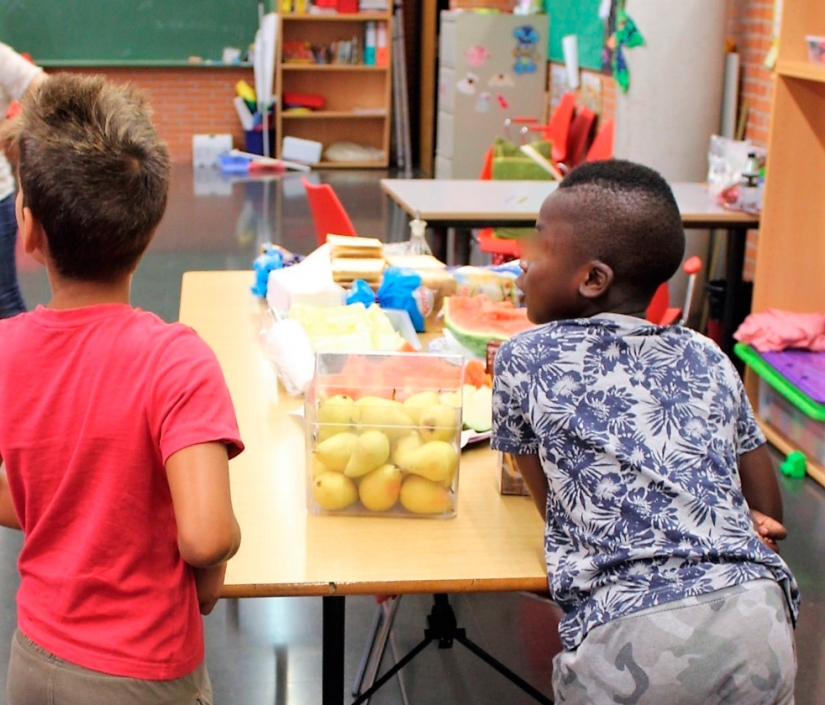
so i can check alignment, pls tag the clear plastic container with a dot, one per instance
(383, 434)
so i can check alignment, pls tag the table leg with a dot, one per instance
(332, 655)
(735, 293)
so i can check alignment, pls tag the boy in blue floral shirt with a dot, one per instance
(641, 451)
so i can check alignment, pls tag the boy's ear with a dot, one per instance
(598, 280)
(32, 235)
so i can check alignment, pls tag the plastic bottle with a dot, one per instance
(749, 185)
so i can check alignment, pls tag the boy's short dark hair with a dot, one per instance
(93, 171)
(633, 222)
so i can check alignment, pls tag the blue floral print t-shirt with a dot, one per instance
(638, 429)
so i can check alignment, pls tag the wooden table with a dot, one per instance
(472, 203)
(494, 544)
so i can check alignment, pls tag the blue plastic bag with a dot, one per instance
(361, 293)
(270, 258)
(397, 290)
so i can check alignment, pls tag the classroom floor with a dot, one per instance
(265, 651)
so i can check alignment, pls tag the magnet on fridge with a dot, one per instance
(467, 85)
(501, 80)
(483, 102)
(477, 55)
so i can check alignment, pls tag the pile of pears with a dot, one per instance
(384, 453)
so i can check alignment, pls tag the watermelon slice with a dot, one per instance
(476, 320)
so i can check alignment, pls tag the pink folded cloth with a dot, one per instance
(776, 330)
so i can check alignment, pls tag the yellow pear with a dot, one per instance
(439, 423)
(436, 460)
(317, 466)
(389, 419)
(450, 399)
(414, 405)
(372, 449)
(403, 447)
(420, 496)
(336, 451)
(332, 490)
(379, 489)
(335, 415)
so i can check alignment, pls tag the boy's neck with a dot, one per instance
(71, 293)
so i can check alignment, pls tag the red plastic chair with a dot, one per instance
(579, 137)
(602, 146)
(557, 129)
(660, 311)
(328, 215)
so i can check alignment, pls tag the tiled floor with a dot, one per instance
(264, 651)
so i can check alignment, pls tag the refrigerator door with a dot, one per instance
(493, 67)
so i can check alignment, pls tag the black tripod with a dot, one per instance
(442, 627)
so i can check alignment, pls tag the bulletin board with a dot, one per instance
(579, 17)
(124, 32)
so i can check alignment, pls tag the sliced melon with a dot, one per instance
(476, 320)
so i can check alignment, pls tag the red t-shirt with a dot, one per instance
(93, 401)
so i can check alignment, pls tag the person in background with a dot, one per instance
(642, 454)
(116, 428)
(17, 75)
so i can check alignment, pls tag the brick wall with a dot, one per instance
(186, 101)
(750, 26)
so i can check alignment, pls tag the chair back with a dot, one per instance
(328, 214)
(558, 126)
(579, 137)
(602, 146)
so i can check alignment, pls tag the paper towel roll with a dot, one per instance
(570, 47)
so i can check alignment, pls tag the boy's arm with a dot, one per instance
(209, 583)
(208, 533)
(530, 468)
(761, 490)
(8, 517)
(759, 484)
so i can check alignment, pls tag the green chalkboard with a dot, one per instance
(115, 32)
(579, 17)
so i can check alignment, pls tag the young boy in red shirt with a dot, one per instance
(116, 428)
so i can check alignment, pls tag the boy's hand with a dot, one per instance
(209, 583)
(770, 530)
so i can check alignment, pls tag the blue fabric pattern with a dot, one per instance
(639, 429)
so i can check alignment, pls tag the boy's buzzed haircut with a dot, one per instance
(93, 171)
(633, 222)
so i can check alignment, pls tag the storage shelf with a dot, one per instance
(332, 115)
(349, 165)
(349, 17)
(331, 67)
(801, 69)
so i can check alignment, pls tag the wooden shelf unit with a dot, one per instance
(358, 96)
(790, 265)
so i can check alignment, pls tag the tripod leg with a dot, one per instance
(367, 694)
(504, 671)
(368, 647)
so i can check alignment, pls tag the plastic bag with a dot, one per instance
(269, 259)
(361, 293)
(400, 289)
(288, 348)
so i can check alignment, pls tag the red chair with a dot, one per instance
(578, 138)
(557, 129)
(328, 215)
(602, 145)
(660, 311)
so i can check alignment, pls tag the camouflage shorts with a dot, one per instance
(730, 646)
